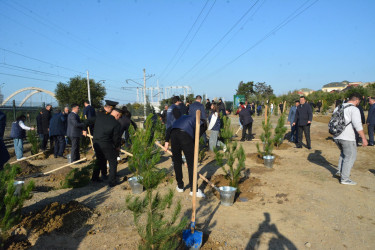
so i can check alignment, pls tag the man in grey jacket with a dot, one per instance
(346, 141)
(293, 128)
(74, 131)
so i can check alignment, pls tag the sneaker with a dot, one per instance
(349, 182)
(200, 194)
(225, 148)
(21, 159)
(180, 190)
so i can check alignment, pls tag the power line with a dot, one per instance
(221, 39)
(26, 77)
(28, 70)
(183, 41)
(228, 42)
(191, 40)
(38, 60)
(278, 27)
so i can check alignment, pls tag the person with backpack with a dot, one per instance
(18, 133)
(346, 117)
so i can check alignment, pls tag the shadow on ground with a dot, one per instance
(278, 241)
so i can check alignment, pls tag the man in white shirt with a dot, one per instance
(346, 141)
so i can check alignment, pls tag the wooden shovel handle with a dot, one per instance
(31, 156)
(125, 152)
(196, 148)
(205, 179)
(161, 146)
(67, 165)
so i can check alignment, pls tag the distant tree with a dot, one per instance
(75, 91)
(264, 90)
(246, 89)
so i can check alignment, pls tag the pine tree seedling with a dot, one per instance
(11, 202)
(280, 130)
(226, 132)
(266, 139)
(156, 229)
(34, 141)
(228, 159)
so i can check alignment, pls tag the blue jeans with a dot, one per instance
(214, 142)
(18, 148)
(348, 155)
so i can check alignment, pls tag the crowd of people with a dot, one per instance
(110, 126)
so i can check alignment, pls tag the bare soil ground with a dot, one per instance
(298, 204)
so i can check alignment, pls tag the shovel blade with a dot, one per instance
(192, 240)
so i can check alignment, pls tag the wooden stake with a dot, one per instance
(67, 165)
(88, 129)
(31, 156)
(195, 172)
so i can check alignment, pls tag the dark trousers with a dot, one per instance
(59, 141)
(370, 128)
(249, 128)
(104, 153)
(181, 141)
(74, 153)
(306, 130)
(44, 142)
(294, 134)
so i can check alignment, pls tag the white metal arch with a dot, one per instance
(28, 96)
(25, 89)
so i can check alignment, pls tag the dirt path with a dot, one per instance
(298, 204)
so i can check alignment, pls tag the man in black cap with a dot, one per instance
(107, 139)
(108, 107)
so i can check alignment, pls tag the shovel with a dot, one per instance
(211, 184)
(191, 237)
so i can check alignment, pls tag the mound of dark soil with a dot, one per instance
(246, 186)
(28, 169)
(55, 217)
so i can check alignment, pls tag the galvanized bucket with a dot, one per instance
(136, 187)
(18, 185)
(268, 161)
(227, 194)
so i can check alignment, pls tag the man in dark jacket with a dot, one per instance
(107, 139)
(89, 112)
(197, 105)
(57, 132)
(4, 155)
(173, 113)
(125, 122)
(221, 106)
(45, 118)
(74, 132)
(303, 118)
(371, 121)
(247, 123)
(164, 114)
(208, 107)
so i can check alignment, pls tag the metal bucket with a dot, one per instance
(227, 194)
(18, 185)
(268, 161)
(136, 187)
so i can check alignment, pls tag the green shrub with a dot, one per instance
(10, 203)
(77, 178)
(226, 132)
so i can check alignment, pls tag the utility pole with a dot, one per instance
(88, 87)
(144, 92)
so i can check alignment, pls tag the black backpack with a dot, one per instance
(337, 123)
